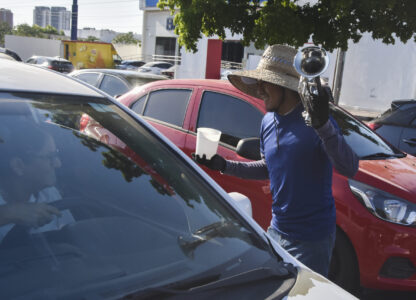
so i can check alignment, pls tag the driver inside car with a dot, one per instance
(29, 159)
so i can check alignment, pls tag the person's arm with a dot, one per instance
(342, 157)
(256, 170)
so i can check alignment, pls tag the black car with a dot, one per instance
(115, 82)
(10, 53)
(130, 64)
(397, 125)
(58, 64)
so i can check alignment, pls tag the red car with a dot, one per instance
(376, 210)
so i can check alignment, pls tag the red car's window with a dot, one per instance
(235, 118)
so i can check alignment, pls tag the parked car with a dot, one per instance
(155, 67)
(124, 217)
(130, 64)
(10, 53)
(53, 63)
(170, 72)
(376, 210)
(114, 82)
(397, 125)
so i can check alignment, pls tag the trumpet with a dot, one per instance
(310, 62)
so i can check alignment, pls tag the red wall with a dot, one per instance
(214, 52)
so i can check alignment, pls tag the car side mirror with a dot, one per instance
(243, 202)
(249, 148)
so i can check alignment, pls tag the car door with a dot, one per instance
(408, 137)
(167, 110)
(236, 117)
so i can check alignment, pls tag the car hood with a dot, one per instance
(396, 175)
(310, 285)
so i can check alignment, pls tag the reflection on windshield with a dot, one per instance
(124, 208)
(361, 139)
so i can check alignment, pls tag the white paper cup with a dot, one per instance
(207, 140)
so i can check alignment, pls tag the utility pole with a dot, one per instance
(74, 23)
(339, 70)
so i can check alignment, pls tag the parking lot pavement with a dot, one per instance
(387, 295)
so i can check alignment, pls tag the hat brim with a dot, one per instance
(241, 80)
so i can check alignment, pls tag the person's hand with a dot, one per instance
(319, 108)
(216, 163)
(30, 214)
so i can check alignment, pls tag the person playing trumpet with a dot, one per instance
(298, 159)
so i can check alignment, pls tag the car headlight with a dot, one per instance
(384, 205)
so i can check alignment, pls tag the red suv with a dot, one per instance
(376, 210)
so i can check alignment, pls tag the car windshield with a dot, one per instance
(104, 208)
(365, 143)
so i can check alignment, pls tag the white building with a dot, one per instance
(159, 42)
(60, 18)
(42, 16)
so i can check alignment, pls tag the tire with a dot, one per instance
(343, 269)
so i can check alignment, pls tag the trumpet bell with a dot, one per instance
(311, 61)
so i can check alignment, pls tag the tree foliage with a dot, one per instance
(125, 38)
(4, 29)
(294, 22)
(36, 31)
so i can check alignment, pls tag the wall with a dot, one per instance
(154, 25)
(29, 46)
(129, 51)
(375, 74)
(193, 64)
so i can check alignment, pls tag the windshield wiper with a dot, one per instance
(382, 155)
(279, 271)
(189, 242)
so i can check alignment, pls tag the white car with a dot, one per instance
(155, 67)
(112, 209)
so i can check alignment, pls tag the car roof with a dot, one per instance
(123, 73)
(213, 83)
(5, 56)
(22, 77)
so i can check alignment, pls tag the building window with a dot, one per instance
(165, 46)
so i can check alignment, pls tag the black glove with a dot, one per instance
(216, 163)
(319, 108)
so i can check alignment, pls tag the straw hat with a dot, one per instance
(275, 66)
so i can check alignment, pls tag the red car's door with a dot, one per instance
(236, 117)
(167, 110)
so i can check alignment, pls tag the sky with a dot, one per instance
(117, 15)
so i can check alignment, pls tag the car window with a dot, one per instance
(129, 213)
(90, 78)
(235, 118)
(168, 105)
(113, 85)
(359, 137)
(138, 81)
(137, 106)
(414, 123)
(31, 61)
(401, 116)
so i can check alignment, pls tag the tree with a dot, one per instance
(36, 31)
(4, 29)
(328, 23)
(91, 38)
(125, 38)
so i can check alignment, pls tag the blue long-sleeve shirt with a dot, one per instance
(298, 161)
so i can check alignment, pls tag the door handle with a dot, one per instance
(410, 142)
